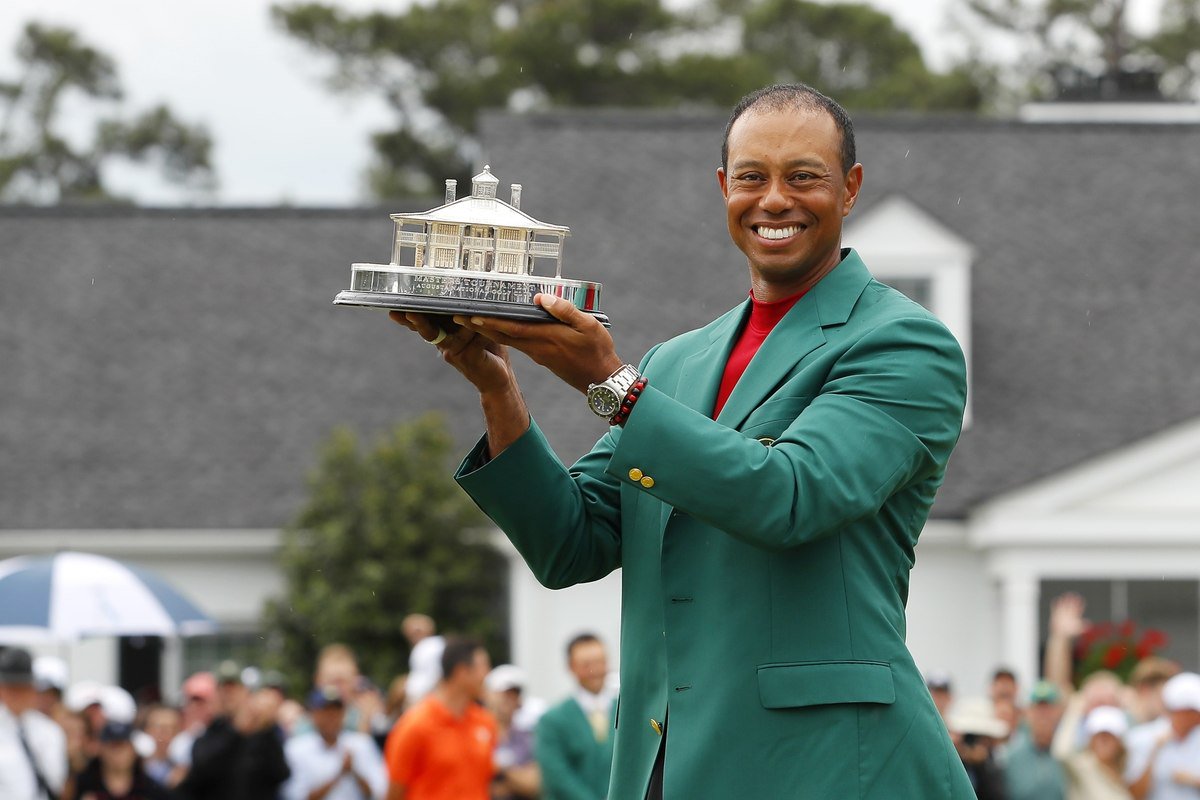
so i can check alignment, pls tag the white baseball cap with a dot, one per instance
(1182, 693)
(1106, 719)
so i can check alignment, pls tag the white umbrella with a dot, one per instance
(71, 595)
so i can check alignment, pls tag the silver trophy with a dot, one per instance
(474, 255)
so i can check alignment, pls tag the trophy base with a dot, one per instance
(449, 306)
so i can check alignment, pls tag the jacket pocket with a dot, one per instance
(818, 683)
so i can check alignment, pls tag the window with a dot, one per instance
(1172, 606)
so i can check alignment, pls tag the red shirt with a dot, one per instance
(763, 319)
(438, 756)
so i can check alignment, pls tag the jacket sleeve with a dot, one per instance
(888, 413)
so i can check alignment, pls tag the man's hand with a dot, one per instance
(580, 351)
(1066, 616)
(482, 362)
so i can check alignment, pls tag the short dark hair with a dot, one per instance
(1004, 672)
(459, 651)
(582, 638)
(788, 97)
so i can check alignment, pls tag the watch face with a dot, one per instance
(603, 401)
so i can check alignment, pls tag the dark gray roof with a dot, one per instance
(190, 383)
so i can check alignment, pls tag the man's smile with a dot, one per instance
(778, 233)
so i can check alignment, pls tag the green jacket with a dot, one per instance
(765, 555)
(574, 765)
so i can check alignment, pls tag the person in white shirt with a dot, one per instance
(33, 748)
(330, 763)
(1169, 769)
(425, 658)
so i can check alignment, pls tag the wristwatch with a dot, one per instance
(604, 398)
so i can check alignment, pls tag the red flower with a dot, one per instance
(1126, 629)
(1115, 655)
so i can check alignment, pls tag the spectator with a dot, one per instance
(1170, 768)
(162, 724)
(425, 658)
(1147, 680)
(441, 749)
(574, 738)
(240, 755)
(976, 731)
(331, 763)
(1031, 772)
(50, 678)
(337, 666)
(83, 744)
(941, 689)
(117, 772)
(1096, 771)
(33, 749)
(517, 774)
(199, 708)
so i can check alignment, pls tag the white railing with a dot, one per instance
(410, 237)
(444, 240)
(479, 242)
(544, 249)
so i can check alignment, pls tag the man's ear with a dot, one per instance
(721, 181)
(854, 180)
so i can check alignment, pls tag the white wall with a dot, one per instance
(953, 620)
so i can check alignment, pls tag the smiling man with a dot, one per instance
(762, 485)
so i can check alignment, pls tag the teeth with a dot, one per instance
(777, 233)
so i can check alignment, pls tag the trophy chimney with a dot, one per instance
(451, 190)
(516, 196)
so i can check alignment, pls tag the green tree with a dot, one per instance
(1063, 44)
(440, 64)
(37, 161)
(385, 532)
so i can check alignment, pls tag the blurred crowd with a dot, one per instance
(1105, 739)
(452, 727)
(455, 728)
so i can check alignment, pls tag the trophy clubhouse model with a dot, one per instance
(475, 255)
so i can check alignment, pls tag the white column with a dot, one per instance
(1019, 624)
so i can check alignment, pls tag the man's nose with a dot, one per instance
(775, 197)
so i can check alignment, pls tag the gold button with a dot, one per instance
(648, 482)
(657, 726)
(635, 474)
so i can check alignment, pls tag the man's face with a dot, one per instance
(329, 720)
(785, 197)
(589, 665)
(342, 674)
(1004, 688)
(471, 677)
(1043, 719)
(18, 697)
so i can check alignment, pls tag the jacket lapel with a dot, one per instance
(798, 334)
(700, 374)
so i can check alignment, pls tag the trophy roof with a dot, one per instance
(482, 211)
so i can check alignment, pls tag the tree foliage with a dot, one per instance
(38, 163)
(1068, 44)
(385, 532)
(440, 64)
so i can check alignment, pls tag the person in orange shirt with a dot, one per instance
(441, 748)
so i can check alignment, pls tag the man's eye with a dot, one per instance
(801, 176)
(750, 177)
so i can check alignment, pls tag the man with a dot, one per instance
(1031, 771)
(441, 749)
(762, 487)
(33, 748)
(199, 708)
(517, 773)
(425, 658)
(1169, 768)
(240, 754)
(941, 691)
(575, 737)
(329, 762)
